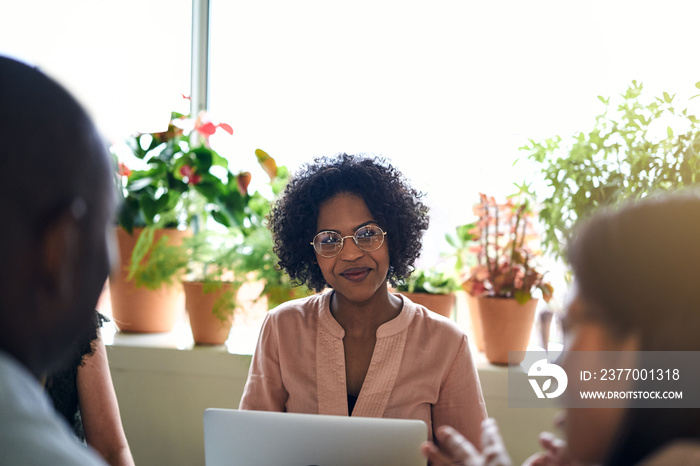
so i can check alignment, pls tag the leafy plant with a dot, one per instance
(181, 177)
(255, 253)
(185, 183)
(233, 251)
(429, 281)
(463, 242)
(154, 265)
(212, 259)
(635, 148)
(504, 256)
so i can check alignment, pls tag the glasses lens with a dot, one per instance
(327, 243)
(369, 237)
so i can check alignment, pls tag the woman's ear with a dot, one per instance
(59, 251)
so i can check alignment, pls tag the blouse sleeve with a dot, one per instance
(461, 403)
(264, 390)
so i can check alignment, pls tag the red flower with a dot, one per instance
(207, 128)
(189, 175)
(124, 170)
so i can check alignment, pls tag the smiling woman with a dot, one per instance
(353, 224)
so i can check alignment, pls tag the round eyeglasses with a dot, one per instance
(329, 243)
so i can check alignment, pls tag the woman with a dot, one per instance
(84, 395)
(636, 272)
(353, 224)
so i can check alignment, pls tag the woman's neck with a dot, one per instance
(367, 316)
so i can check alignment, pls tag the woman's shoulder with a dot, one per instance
(427, 321)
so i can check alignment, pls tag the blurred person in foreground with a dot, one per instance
(57, 203)
(636, 273)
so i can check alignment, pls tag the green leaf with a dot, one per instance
(203, 159)
(521, 296)
(140, 183)
(220, 218)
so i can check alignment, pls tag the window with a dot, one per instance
(128, 61)
(448, 90)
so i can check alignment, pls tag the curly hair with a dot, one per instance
(394, 204)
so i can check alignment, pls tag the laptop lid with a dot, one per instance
(233, 437)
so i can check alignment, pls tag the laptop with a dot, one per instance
(261, 438)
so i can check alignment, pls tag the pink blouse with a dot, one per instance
(421, 368)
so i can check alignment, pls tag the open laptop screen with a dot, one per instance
(250, 438)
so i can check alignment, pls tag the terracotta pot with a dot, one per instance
(475, 319)
(442, 304)
(506, 325)
(137, 309)
(207, 328)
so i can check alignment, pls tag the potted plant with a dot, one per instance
(170, 178)
(210, 284)
(256, 256)
(632, 150)
(431, 288)
(504, 279)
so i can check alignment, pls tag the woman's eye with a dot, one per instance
(329, 240)
(366, 233)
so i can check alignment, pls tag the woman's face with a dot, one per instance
(354, 274)
(590, 432)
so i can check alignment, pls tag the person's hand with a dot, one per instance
(456, 450)
(554, 454)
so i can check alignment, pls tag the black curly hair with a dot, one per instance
(392, 201)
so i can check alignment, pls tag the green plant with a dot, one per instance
(429, 281)
(258, 259)
(212, 259)
(180, 177)
(155, 263)
(232, 251)
(639, 147)
(463, 241)
(504, 253)
(255, 252)
(183, 183)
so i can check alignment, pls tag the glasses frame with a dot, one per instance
(342, 240)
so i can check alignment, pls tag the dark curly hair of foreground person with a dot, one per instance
(395, 205)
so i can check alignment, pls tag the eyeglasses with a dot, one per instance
(329, 243)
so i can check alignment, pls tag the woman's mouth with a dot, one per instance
(355, 274)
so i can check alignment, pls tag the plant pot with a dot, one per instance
(506, 326)
(475, 320)
(442, 304)
(138, 309)
(207, 328)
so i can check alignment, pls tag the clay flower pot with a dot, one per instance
(506, 326)
(207, 328)
(475, 320)
(138, 309)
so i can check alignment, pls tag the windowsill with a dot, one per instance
(241, 341)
